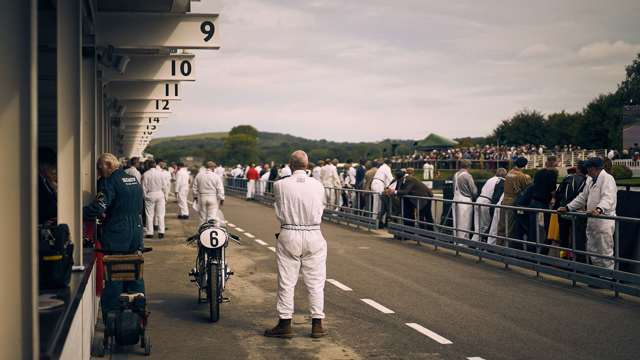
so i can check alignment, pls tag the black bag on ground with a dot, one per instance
(55, 256)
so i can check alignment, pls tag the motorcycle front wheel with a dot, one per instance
(212, 292)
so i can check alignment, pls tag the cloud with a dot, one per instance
(369, 70)
(608, 50)
(535, 50)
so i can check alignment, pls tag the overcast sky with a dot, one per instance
(368, 70)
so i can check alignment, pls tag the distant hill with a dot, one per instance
(202, 136)
(272, 146)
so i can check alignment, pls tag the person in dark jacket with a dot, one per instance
(408, 185)
(119, 201)
(545, 182)
(568, 190)
(47, 186)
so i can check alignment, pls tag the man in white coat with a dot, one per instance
(155, 185)
(482, 214)
(317, 171)
(264, 179)
(208, 191)
(299, 246)
(285, 171)
(182, 190)
(331, 182)
(600, 198)
(381, 181)
(464, 190)
(220, 170)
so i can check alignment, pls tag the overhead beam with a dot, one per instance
(155, 68)
(124, 90)
(147, 106)
(150, 31)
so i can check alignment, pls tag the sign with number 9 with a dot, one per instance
(208, 29)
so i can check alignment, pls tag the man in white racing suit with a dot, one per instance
(155, 184)
(299, 246)
(600, 198)
(182, 190)
(208, 191)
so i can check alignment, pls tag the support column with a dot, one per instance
(99, 147)
(18, 210)
(69, 40)
(88, 142)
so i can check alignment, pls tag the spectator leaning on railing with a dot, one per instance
(464, 190)
(514, 183)
(600, 198)
(570, 187)
(544, 187)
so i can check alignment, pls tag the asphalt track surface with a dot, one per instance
(385, 299)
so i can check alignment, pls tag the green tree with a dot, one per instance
(244, 129)
(561, 128)
(241, 145)
(525, 127)
(629, 89)
(602, 126)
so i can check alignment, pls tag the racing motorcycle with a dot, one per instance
(211, 271)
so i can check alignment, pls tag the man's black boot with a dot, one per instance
(317, 331)
(282, 330)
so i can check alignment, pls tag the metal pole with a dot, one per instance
(616, 255)
(537, 226)
(69, 60)
(573, 248)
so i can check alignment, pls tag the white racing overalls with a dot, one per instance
(155, 185)
(601, 193)
(209, 190)
(300, 247)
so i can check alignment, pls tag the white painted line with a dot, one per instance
(377, 306)
(230, 224)
(475, 358)
(261, 242)
(424, 331)
(249, 235)
(239, 229)
(339, 285)
(272, 248)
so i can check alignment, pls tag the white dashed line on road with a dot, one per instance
(475, 358)
(230, 224)
(424, 331)
(261, 242)
(239, 229)
(272, 248)
(339, 285)
(249, 235)
(375, 305)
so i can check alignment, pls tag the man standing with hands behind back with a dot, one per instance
(300, 244)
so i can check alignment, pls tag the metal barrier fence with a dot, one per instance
(522, 243)
(526, 248)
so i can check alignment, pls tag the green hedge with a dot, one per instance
(621, 172)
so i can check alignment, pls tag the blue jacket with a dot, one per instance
(120, 199)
